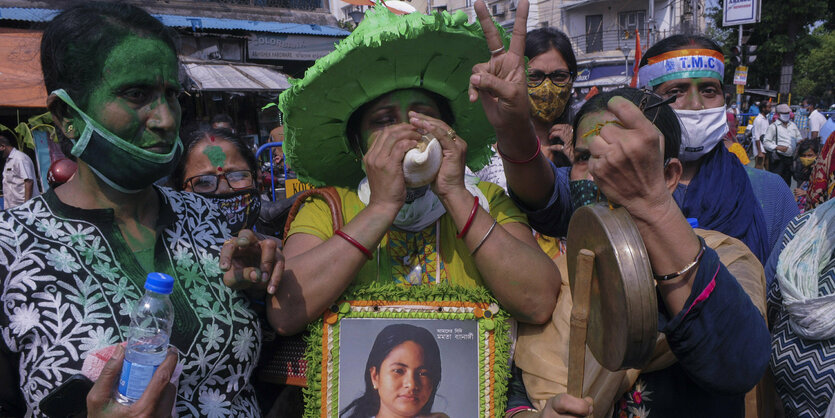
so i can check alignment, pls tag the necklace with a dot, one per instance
(409, 257)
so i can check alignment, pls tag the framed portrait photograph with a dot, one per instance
(409, 355)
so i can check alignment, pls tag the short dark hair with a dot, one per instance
(178, 176)
(811, 100)
(540, 41)
(665, 118)
(4, 140)
(77, 42)
(808, 144)
(222, 118)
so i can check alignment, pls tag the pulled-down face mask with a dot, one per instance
(122, 165)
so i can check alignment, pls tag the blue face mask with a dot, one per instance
(122, 165)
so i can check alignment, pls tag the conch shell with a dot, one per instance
(421, 164)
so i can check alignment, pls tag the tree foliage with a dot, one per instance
(782, 35)
(815, 70)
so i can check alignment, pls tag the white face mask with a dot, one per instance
(701, 130)
(784, 117)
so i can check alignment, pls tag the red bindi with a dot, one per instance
(220, 169)
(212, 138)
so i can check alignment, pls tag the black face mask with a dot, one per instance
(241, 208)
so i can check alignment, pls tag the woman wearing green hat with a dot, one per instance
(350, 122)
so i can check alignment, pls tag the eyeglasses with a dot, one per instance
(559, 78)
(207, 183)
(645, 107)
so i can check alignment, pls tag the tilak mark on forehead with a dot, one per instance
(216, 156)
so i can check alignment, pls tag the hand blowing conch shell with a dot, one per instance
(422, 163)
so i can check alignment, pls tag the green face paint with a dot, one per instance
(216, 156)
(129, 129)
(137, 96)
(393, 108)
(590, 126)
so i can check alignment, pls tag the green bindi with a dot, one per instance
(216, 156)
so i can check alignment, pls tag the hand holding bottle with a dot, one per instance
(157, 401)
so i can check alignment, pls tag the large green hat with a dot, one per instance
(386, 52)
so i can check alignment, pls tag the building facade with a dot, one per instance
(236, 54)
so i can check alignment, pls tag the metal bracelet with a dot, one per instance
(687, 268)
(480, 243)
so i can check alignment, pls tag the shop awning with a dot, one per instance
(21, 78)
(194, 22)
(228, 76)
(603, 76)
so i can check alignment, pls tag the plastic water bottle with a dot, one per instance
(150, 328)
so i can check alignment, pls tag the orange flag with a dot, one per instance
(592, 92)
(634, 82)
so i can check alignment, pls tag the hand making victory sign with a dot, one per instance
(501, 85)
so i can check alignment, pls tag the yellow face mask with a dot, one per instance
(548, 100)
(806, 161)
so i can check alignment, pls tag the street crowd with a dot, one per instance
(741, 251)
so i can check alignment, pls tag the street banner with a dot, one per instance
(741, 75)
(740, 12)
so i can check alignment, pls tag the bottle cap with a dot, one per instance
(694, 223)
(159, 283)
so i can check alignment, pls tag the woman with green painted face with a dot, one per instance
(75, 258)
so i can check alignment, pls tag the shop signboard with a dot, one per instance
(290, 47)
(740, 12)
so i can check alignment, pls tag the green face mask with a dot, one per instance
(122, 165)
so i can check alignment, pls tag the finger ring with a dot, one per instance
(451, 134)
(498, 50)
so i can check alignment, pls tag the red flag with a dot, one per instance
(634, 82)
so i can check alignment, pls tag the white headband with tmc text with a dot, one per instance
(682, 63)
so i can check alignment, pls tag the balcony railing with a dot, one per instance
(279, 4)
(609, 40)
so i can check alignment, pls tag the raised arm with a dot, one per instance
(500, 84)
(713, 326)
(523, 279)
(317, 272)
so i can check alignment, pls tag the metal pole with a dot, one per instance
(651, 22)
(742, 62)
(694, 22)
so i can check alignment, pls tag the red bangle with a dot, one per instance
(535, 154)
(469, 220)
(354, 242)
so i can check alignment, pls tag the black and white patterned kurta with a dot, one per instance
(68, 282)
(804, 370)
